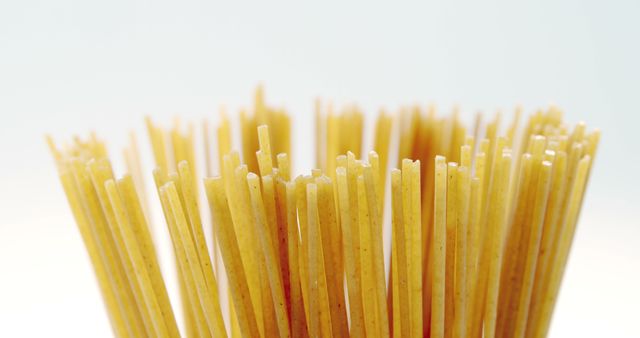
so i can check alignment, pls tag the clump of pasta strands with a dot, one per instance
(481, 226)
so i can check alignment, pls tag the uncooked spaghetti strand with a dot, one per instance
(116, 315)
(143, 235)
(564, 247)
(208, 298)
(540, 205)
(403, 314)
(314, 248)
(283, 239)
(369, 299)
(550, 232)
(303, 258)
(195, 223)
(353, 278)
(460, 284)
(452, 190)
(415, 254)
(196, 324)
(239, 203)
(331, 239)
(267, 309)
(439, 249)
(473, 240)
(100, 172)
(377, 251)
(497, 221)
(298, 318)
(231, 255)
(408, 224)
(270, 255)
(145, 287)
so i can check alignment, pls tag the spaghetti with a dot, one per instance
(481, 226)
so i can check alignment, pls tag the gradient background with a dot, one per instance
(67, 67)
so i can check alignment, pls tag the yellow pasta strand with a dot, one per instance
(118, 321)
(351, 263)
(376, 252)
(145, 288)
(100, 172)
(231, 255)
(462, 219)
(269, 251)
(497, 219)
(194, 318)
(143, 237)
(208, 297)
(403, 313)
(439, 249)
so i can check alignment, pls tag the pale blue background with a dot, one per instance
(70, 66)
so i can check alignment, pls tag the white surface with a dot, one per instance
(70, 66)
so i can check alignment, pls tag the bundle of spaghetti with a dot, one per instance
(481, 224)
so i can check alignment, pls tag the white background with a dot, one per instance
(67, 67)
